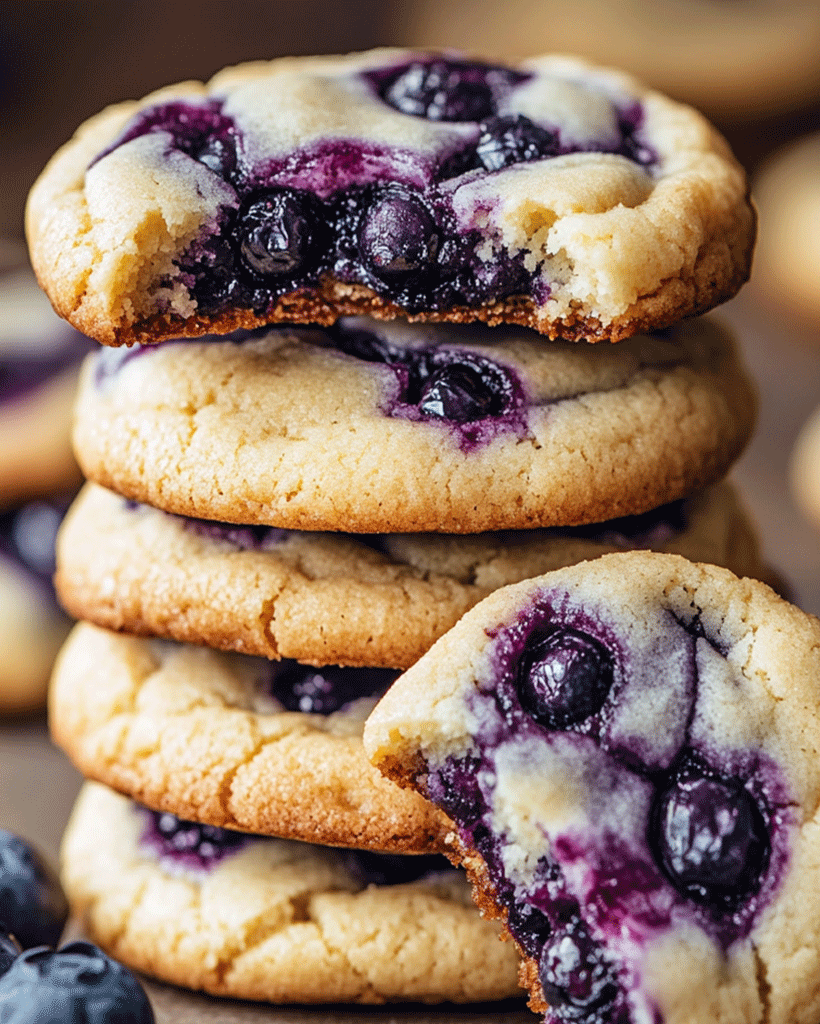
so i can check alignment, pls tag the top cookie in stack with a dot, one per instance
(554, 195)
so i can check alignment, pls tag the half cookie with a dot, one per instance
(370, 427)
(347, 599)
(244, 743)
(628, 750)
(552, 194)
(266, 919)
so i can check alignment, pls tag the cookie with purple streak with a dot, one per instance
(553, 194)
(628, 750)
(32, 625)
(374, 427)
(265, 919)
(39, 362)
(331, 598)
(225, 739)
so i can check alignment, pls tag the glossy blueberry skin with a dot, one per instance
(578, 982)
(442, 90)
(77, 984)
(279, 233)
(709, 837)
(33, 906)
(398, 236)
(9, 951)
(564, 676)
(513, 139)
(321, 691)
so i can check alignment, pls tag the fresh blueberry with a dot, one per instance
(460, 393)
(188, 841)
(33, 906)
(578, 981)
(77, 984)
(9, 950)
(321, 691)
(564, 676)
(442, 90)
(710, 837)
(278, 233)
(398, 234)
(391, 869)
(513, 139)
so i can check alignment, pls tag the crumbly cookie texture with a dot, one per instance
(554, 194)
(373, 427)
(271, 920)
(787, 192)
(206, 736)
(628, 749)
(805, 468)
(328, 598)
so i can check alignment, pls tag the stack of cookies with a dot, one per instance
(349, 390)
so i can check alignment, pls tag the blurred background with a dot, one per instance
(752, 65)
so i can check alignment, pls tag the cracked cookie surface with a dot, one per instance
(277, 921)
(628, 750)
(327, 598)
(220, 738)
(553, 194)
(392, 427)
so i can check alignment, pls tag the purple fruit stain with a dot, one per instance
(188, 844)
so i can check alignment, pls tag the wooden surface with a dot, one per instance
(37, 786)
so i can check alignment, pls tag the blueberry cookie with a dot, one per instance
(39, 361)
(266, 919)
(629, 752)
(553, 194)
(32, 626)
(787, 192)
(805, 468)
(381, 428)
(331, 598)
(230, 740)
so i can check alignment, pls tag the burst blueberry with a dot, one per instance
(460, 393)
(391, 869)
(33, 906)
(564, 676)
(321, 691)
(398, 234)
(189, 841)
(77, 984)
(278, 233)
(442, 90)
(710, 837)
(513, 139)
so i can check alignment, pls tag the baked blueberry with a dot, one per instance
(458, 392)
(444, 90)
(391, 869)
(188, 842)
(33, 906)
(564, 676)
(578, 981)
(77, 984)
(513, 139)
(321, 691)
(277, 233)
(398, 235)
(9, 950)
(710, 836)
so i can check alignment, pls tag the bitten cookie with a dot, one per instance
(553, 194)
(328, 598)
(383, 428)
(243, 743)
(787, 191)
(805, 468)
(629, 751)
(266, 919)
(32, 626)
(39, 362)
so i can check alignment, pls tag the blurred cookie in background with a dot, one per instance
(787, 262)
(39, 362)
(805, 469)
(735, 61)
